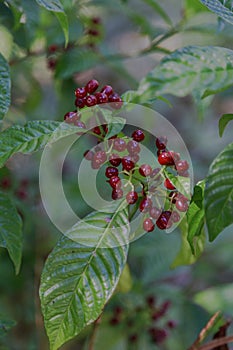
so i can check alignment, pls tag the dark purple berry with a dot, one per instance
(115, 182)
(131, 197)
(162, 221)
(145, 170)
(182, 165)
(150, 300)
(175, 217)
(133, 147)
(165, 158)
(80, 102)
(119, 144)
(155, 212)
(138, 135)
(107, 89)
(171, 324)
(90, 100)
(127, 163)
(117, 193)
(181, 204)
(111, 171)
(145, 205)
(161, 142)
(92, 86)
(88, 155)
(80, 92)
(116, 101)
(114, 159)
(98, 159)
(148, 225)
(101, 97)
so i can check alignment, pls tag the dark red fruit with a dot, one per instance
(93, 32)
(169, 185)
(88, 155)
(150, 300)
(158, 335)
(114, 321)
(115, 182)
(114, 159)
(162, 221)
(117, 193)
(182, 165)
(184, 173)
(96, 20)
(135, 157)
(145, 205)
(5, 183)
(165, 158)
(145, 170)
(111, 171)
(175, 156)
(148, 225)
(52, 48)
(80, 92)
(101, 97)
(171, 324)
(131, 197)
(119, 144)
(96, 130)
(98, 159)
(155, 212)
(90, 100)
(138, 135)
(127, 163)
(116, 101)
(71, 116)
(181, 204)
(133, 147)
(107, 89)
(92, 86)
(51, 63)
(80, 102)
(175, 217)
(161, 142)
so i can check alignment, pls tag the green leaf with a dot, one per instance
(5, 325)
(125, 282)
(201, 71)
(11, 230)
(181, 183)
(193, 7)
(223, 121)
(196, 215)
(62, 18)
(51, 5)
(219, 193)
(157, 8)
(31, 137)
(75, 60)
(5, 86)
(79, 279)
(185, 255)
(222, 8)
(115, 124)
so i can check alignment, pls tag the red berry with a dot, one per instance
(165, 158)
(171, 324)
(114, 321)
(89, 155)
(116, 101)
(115, 182)
(114, 159)
(135, 157)
(93, 32)
(175, 156)
(107, 89)
(52, 48)
(80, 102)
(145, 170)
(96, 130)
(182, 166)
(111, 171)
(90, 100)
(138, 135)
(181, 204)
(148, 225)
(175, 217)
(51, 63)
(117, 193)
(169, 185)
(131, 197)
(96, 20)
(161, 142)
(101, 97)
(92, 86)
(119, 144)
(150, 300)
(155, 212)
(145, 205)
(5, 183)
(80, 92)
(158, 335)
(70, 117)
(133, 147)
(162, 221)
(98, 159)
(127, 163)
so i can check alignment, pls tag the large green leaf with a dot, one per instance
(223, 8)
(219, 193)
(5, 86)
(31, 137)
(223, 121)
(193, 7)
(78, 279)
(201, 71)
(51, 5)
(196, 215)
(10, 230)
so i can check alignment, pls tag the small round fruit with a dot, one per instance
(99, 158)
(92, 86)
(162, 221)
(169, 185)
(127, 163)
(138, 135)
(175, 217)
(116, 101)
(145, 170)
(80, 102)
(165, 158)
(145, 205)
(119, 144)
(111, 171)
(155, 212)
(148, 225)
(181, 204)
(117, 193)
(182, 165)
(161, 142)
(115, 182)
(132, 197)
(107, 89)
(71, 116)
(133, 147)
(88, 155)
(101, 97)
(90, 100)
(80, 92)
(96, 130)
(114, 159)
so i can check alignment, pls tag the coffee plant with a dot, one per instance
(103, 214)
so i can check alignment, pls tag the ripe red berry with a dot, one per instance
(161, 142)
(80, 92)
(80, 124)
(98, 159)
(175, 217)
(155, 212)
(148, 225)
(117, 193)
(119, 144)
(127, 163)
(158, 335)
(138, 135)
(116, 101)
(145, 205)
(96, 130)
(175, 156)
(135, 157)
(181, 204)
(52, 48)
(107, 89)
(114, 159)
(115, 182)
(80, 102)
(182, 166)
(133, 147)
(90, 100)
(92, 86)
(101, 97)
(88, 155)
(165, 158)
(131, 197)
(171, 324)
(111, 171)
(162, 221)
(150, 300)
(145, 170)
(169, 185)
(71, 116)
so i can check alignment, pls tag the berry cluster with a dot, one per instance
(149, 317)
(94, 31)
(18, 188)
